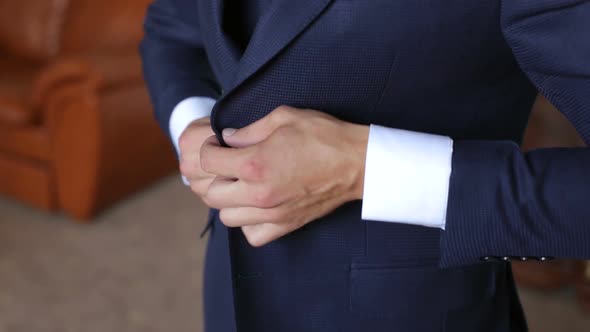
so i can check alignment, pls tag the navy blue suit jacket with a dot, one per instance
(466, 69)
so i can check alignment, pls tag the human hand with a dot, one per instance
(190, 143)
(284, 171)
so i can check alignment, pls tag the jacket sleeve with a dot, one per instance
(175, 64)
(504, 203)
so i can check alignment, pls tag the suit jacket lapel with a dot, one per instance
(284, 21)
(225, 55)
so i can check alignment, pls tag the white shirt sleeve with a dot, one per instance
(407, 177)
(187, 111)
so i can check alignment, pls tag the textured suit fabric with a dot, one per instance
(466, 69)
(240, 18)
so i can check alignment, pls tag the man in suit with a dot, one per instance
(390, 193)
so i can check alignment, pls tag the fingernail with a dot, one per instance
(228, 131)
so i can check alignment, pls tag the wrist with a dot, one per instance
(359, 140)
(201, 121)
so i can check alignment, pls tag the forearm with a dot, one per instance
(493, 201)
(174, 61)
(507, 204)
(504, 203)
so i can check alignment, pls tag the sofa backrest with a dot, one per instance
(102, 25)
(31, 29)
(42, 29)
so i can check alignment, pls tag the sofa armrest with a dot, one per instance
(106, 145)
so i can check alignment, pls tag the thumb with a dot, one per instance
(253, 133)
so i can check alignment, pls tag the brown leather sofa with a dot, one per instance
(76, 126)
(549, 128)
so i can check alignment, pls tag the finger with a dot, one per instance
(189, 150)
(247, 216)
(214, 196)
(190, 168)
(262, 234)
(259, 130)
(199, 187)
(192, 137)
(191, 156)
(226, 162)
(231, 193)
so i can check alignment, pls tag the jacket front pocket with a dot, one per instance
(407, 293)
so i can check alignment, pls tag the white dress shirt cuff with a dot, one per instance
(187, 111)
(407, 177)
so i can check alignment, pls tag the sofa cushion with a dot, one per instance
(31, 28)
(15, 87)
